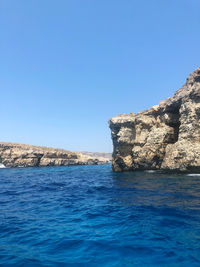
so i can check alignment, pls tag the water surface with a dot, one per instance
(90, 216)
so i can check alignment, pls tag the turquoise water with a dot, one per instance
(90, 216)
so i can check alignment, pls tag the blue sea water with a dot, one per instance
(91, 216)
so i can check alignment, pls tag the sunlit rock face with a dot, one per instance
(19, 155)
(166, 136)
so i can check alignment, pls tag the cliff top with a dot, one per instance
(25, 146)
(191, 89)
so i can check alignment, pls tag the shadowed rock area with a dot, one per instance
(19, 155)
(166, 136)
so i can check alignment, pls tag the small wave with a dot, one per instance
(150, 171)
(193, 174)
(2, 166)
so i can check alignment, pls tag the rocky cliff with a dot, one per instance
(18, 155)
(166, 136)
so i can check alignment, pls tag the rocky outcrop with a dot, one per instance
(166, 136)
(18, 155)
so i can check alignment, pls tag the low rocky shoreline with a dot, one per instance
(14, 155)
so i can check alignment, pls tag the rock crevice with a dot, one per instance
(166, 136)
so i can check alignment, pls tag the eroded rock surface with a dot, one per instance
(18, 155)
(166, 136)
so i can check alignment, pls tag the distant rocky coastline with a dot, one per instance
(164, 137)
(20, 155)
(103, 155)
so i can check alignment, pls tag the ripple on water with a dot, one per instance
(88, 215)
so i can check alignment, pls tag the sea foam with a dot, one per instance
(150, 171)
(2, 166)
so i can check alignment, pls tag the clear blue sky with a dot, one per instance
(67, 66)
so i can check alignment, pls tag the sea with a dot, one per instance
(92, 216)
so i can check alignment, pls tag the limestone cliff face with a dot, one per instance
(166, 136)
(18, 155)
